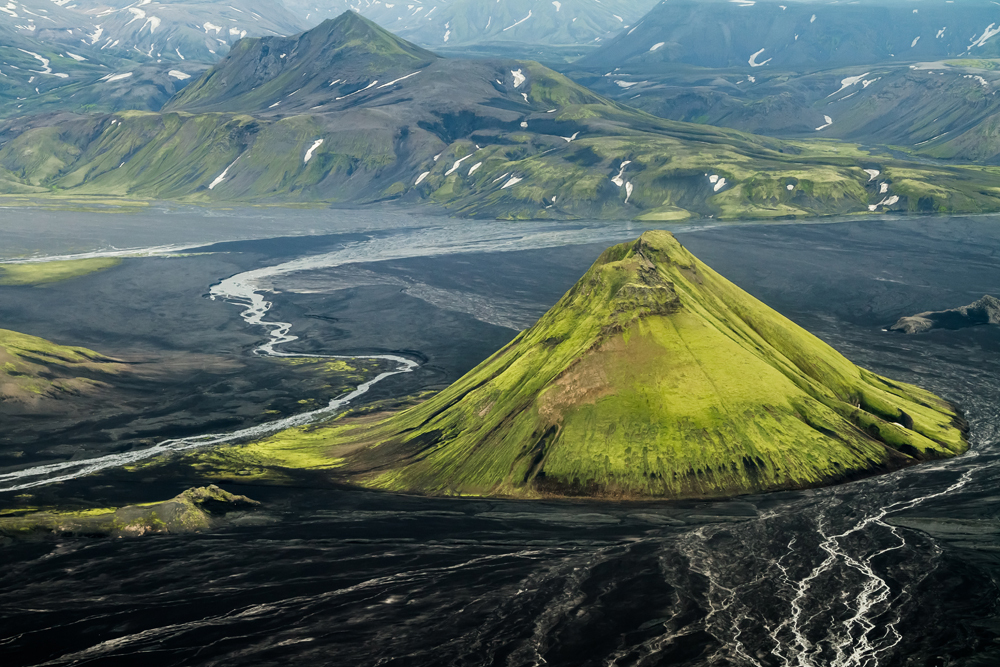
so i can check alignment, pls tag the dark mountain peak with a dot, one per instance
(353, 32)
(346, 52)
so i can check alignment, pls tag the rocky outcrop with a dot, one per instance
(984, 311)
(194, 510)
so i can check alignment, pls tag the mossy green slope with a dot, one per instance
(45, 273)
(33, 368)
(654, 377)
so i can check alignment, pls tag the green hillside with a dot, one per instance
(653, 377)
(32, 368)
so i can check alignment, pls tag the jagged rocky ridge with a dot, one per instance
(653, 377)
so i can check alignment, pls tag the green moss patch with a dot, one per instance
(45, 273)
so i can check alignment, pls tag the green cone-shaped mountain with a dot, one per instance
(653, 377)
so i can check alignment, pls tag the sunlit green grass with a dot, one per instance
(45, 273)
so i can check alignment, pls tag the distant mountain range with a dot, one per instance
(800, 36)
(94, 56)
(349, 113)
(916, 75)
(175, 30)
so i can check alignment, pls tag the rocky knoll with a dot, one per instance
(984, 311)
(194, 510)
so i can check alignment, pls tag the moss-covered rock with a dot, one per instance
(194, 510)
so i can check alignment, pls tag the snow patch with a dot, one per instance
(358, 91)
(872, 173)
(137, 14)
(656, 46)
(888, 201)
(421, 177)
(395, 81)
(514, 180)
(518, 77)
(753, 60)
(987, 34)
(179, 75)
(828, 123)
(221, 177)
(619, 180)
(514, 25)
(312, 149)
(848, 82)
(458, 163)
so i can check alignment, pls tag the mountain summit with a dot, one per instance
(339, 55)
(652, 377)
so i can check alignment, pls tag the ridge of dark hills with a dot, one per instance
(917, 76)
(335, 57)
(800, 36)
